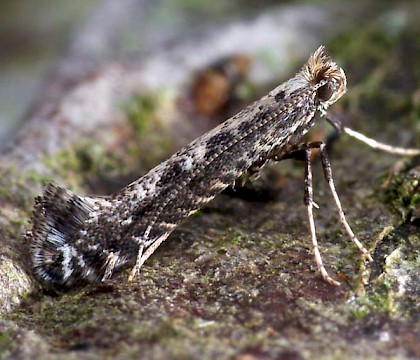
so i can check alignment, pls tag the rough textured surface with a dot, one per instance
(237, 280)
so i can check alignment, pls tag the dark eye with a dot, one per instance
(325, 92)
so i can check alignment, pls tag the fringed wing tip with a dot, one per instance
(57, 217)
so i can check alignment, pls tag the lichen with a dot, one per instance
(143, 144)
(6, 342)
(14, 284)
(402, 192)
(86, 164)
(149, 117)
(18, 187)
(141, 113)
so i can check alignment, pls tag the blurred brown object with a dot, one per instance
(214, 88)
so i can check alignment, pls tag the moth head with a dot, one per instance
(326, 77)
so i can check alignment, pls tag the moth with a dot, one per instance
(76, 239)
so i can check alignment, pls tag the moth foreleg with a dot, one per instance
(303, 151)
(309, 202)
(329, 178)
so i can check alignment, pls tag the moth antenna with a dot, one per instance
(381, 146)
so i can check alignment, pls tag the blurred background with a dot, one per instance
(34, 36)
(38, 39)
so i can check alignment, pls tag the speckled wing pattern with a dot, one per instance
(84, 239)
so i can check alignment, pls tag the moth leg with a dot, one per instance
(139, 263)
(109, 265)
(329, 178)
(144, 253)
(304, 150)
(308, 199)
(296, 152)
(253, 172)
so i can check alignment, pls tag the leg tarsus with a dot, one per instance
(144, 253)
(135, 271)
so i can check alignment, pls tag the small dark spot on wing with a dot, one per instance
(173, 171)
(279, 96)
(219, 140)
